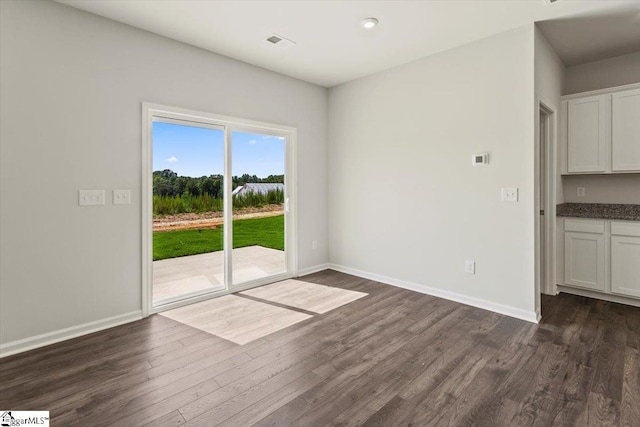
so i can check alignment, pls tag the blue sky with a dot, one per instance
(194, 151)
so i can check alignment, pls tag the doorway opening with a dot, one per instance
(545, 203)
(218, 206)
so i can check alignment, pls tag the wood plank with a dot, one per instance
(226, 406)
(630, 405)
(539, 401)
(608, 376)
(600, 412)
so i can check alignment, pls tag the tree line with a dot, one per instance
(167, 183)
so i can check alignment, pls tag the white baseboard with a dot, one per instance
(313, 269)
(529, 316)
(53, 337)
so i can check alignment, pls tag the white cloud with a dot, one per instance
(253, 141)
(272, 137)
(172, 159)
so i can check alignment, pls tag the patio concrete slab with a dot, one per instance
(177, 276)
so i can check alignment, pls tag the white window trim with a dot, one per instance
(151, 112)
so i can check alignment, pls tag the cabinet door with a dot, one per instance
(589, 134)
(625, 135)
(625, 265)
(584, 260)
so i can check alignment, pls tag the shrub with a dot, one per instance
(188, 203)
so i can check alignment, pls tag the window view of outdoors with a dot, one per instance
(188, 223)
(258, 164)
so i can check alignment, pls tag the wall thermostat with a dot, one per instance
(480, 159)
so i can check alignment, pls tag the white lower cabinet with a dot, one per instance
(625, 259)
(602, 256)
(584, 248)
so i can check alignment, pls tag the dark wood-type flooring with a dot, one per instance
(393, 358)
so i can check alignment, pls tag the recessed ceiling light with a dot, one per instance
(369, 23)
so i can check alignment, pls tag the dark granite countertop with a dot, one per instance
(599, 211)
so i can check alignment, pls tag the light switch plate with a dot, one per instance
(121, 197)
(509, 194)
(90, 197)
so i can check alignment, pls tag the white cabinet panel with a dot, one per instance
(589, 134)
(584, 225)
(625, 265)
(584, 260)
(625, 136)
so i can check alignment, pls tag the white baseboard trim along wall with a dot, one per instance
(37, 341)
(529, 316)
(53, 337)
(313, 269)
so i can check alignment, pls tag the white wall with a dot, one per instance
(617, 71)
(405, 202)
(618, 188)
(72, 85)
(549, 80)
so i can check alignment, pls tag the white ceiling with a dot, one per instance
(331, 48)
(594, 36)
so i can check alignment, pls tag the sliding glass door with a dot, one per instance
(188, 210)
(217, 206)
(259, 201)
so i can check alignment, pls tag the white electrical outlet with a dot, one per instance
(580, 191)
(470, 267)
(121, 197)
(90, 197)
(510, 194)
(314, 244)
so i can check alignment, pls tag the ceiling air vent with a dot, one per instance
(279, 41)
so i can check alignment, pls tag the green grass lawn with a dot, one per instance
(266, 232)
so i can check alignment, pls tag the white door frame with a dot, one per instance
(546, 284)
(152, 111)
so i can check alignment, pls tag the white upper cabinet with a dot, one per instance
(625, 131)
(589, 134)
(600, 131)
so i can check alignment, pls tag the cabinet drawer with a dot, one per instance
(625, 229)
(584, 225)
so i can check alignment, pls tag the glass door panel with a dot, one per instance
(188, 220)
(258, 213)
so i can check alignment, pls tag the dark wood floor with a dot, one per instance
(392, 358)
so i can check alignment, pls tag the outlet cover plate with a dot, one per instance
(510, 194)
(470, 267)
